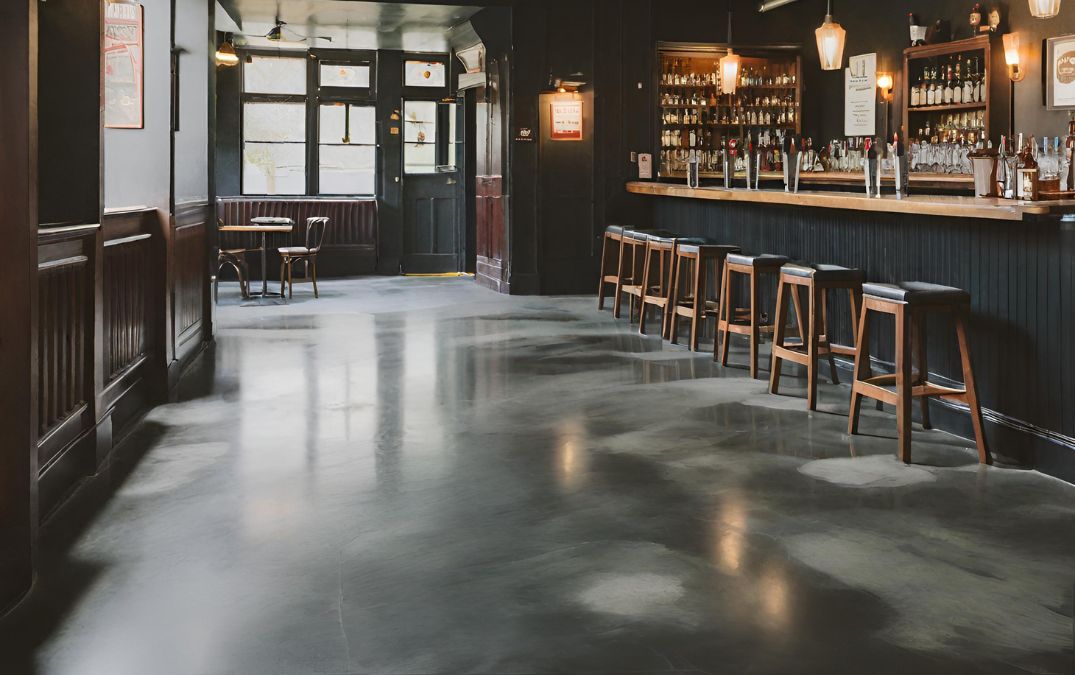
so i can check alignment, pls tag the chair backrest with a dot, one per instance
(315, 232)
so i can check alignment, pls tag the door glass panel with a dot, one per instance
(419, 136)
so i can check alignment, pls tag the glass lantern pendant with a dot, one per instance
(729, 64)
(1044, 9)
(729, 72)
(830, 42)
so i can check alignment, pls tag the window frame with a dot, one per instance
(315, 96)
(251, 97)
(437, 95)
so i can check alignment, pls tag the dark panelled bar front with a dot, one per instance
(1021, 276)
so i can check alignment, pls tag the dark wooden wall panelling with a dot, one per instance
(1020, 274)
(190, 280)
(350, 246)
(18, 323)
(66, 358)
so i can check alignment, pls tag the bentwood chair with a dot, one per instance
(315, 236)
(235, 258)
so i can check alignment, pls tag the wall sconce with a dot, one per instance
(885, 84)
(1044, 9)
(225, 54)
(1011, 57)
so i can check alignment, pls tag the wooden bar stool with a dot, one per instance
(909, 303)
(817, 281)
(690, 285)
(656, 287)
(610, 246)
(631, 266)
(744, 322)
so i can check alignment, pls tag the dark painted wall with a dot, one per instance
(137, 164)
(195, 61)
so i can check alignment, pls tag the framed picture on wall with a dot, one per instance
(123, 65)
(1059, 72)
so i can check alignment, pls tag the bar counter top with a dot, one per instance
(922, 205)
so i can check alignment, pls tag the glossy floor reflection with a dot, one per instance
(420, 476)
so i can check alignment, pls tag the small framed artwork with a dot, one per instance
(1059, 72)
(123, 66)
(566, 120)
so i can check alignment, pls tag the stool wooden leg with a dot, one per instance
(813, 336)
(724, 313)
(616, 302)
(673, 300)
(972, 390)
(601, 276)
(780, 327)
(918, 348)
(668, 281)
(701, 274)
(903, 383)
(796, 299)
(755, 334)
(833, 375)
(283, 279)
(645, 289)
(862, 365)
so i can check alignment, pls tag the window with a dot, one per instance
(347, 149)
(424, 74)
(419, 136)
(344, 75)
(274, 148)
(275, 75)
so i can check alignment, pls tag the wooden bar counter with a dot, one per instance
(1017, 259)
(922, 205)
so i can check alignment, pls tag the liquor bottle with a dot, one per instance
(949, 90)
(916, 99)
(957, 83)
(931, 87)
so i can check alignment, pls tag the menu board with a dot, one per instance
(566, 121)
(860, 96)
(123, 66)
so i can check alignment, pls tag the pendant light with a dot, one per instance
(225, 53)
(830, 42)
(729, 64)
(1044, 9)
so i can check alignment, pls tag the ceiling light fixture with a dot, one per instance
(730, 63)
(830, 42)
(1044, 9)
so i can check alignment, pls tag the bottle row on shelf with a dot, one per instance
(686, 73)
(678, 99)
(733, 116)
(950, 84)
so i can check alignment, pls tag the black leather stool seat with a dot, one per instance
(691, 246)
(615, 229)
(918, 292)
(646, 235)
(825, 273)
(757, 260)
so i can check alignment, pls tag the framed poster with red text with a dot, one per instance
(566, 121)
(123, 57)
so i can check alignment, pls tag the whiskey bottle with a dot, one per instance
(916, 97)
(957, 84)
(949, 90)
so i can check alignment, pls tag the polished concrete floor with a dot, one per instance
(420, 476)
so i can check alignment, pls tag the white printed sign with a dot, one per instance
(860, 96)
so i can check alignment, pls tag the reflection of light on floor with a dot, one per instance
(773, 594)
(572, 460)
(730, 533)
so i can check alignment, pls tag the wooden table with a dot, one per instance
(265, 226)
